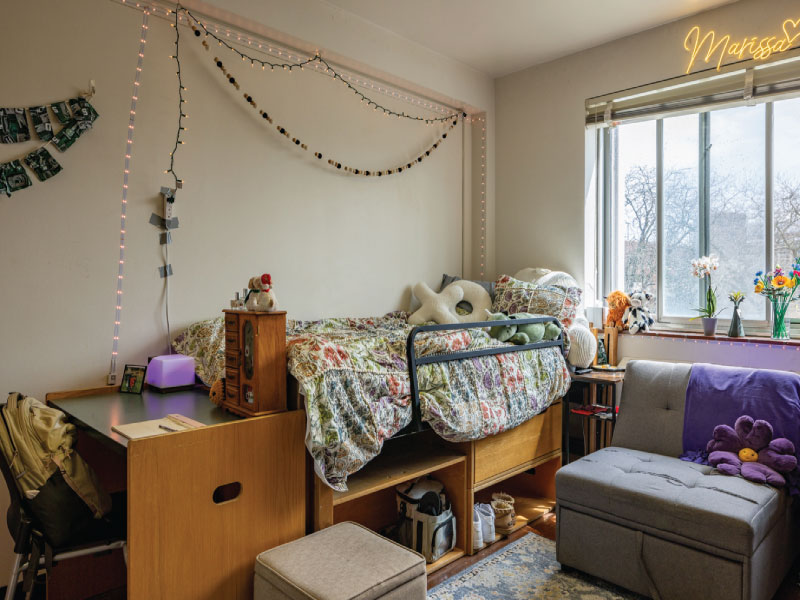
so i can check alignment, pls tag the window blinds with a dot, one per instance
(747, 82)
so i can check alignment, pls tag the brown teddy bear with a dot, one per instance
(617, 301)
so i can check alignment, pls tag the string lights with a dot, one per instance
(333, 162)
(123, 213)
(181, 102)
(300, 63)
(483, 198)
(273, 49)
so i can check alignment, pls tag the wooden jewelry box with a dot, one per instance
(255, 362)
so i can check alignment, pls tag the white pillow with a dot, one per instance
(531, 274)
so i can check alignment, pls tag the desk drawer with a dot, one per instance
(232, 377)
(232, 323)
(231, 339)
(520, 446)
(232, 360)
(232, 393)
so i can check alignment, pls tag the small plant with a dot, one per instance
(703, 267)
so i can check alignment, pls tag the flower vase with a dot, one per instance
(780, 328)
(709, 326)
(736, 329)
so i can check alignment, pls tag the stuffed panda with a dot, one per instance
(637, 316)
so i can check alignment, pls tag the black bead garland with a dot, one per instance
(333, 163)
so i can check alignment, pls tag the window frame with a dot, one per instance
(609, 229)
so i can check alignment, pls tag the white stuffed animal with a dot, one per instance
(637, 316)
(440, 307)
(260, 297)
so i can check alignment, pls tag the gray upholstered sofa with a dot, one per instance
(637, 516)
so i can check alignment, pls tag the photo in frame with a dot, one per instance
(133, 379)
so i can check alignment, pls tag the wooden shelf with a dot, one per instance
(451, 556)
(394, 466)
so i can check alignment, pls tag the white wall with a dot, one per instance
(544, 158)
(541, 136)
(719, 352)
(252, 203)
(335, 244)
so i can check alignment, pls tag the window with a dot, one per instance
(724, 182)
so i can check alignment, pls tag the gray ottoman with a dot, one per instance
(343, 562)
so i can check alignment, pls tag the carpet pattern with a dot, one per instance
(523, 570)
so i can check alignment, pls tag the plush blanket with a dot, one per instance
(354, 376)
(719, 395)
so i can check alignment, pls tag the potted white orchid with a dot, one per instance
(701, 268)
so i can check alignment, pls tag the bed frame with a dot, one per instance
(415, 361)
(521, 461)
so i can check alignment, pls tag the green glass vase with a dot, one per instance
(780, 328)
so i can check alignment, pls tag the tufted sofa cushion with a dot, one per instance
(652, 407)
(671, 495)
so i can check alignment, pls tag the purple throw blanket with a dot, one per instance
(719, 395)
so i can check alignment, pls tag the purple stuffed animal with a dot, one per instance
(747, 449)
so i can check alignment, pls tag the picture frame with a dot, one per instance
(133, 379)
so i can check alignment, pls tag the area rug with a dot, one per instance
(525, 569)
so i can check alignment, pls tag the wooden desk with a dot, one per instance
(182, 541)
(97, 414)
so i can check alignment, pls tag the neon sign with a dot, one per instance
(756, 48)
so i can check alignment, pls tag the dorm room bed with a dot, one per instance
(386, 402)
(368, 380)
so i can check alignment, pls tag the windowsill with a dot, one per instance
(685, 335)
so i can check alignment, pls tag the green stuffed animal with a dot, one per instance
(504, 333)
(529, 333)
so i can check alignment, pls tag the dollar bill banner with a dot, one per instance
(67, 136)
(13, 177)
(61, 112)
(76, 115)
(83, 112)
(42, 163)
(13, 126)
(41, 122)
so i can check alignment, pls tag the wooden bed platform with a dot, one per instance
(521, 462)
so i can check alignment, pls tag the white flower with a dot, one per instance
(705, 265)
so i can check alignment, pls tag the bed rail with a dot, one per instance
(415, 361)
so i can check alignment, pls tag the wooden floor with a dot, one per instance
(546, 527)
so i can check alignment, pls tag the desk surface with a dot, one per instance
(100, 412)
(600, 377)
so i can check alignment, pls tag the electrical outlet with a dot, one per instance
(169, 202)
(169, 209)
(112, 379)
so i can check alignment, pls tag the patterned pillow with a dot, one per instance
(205, 341)
(515, 296)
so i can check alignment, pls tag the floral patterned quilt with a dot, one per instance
(354, 375)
